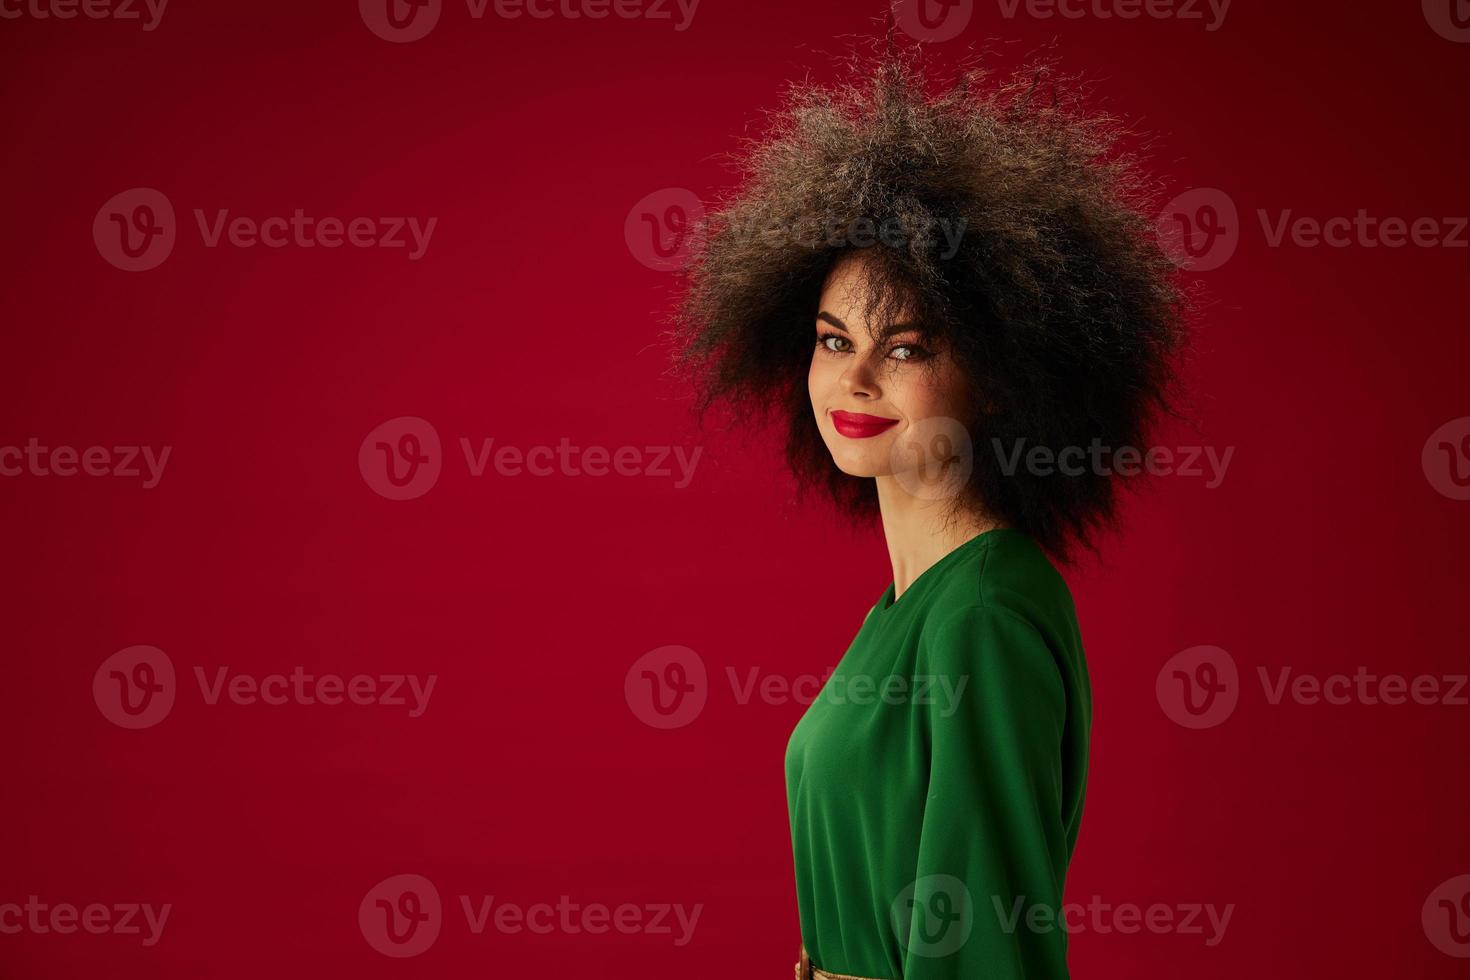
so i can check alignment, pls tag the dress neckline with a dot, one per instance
(888, 602)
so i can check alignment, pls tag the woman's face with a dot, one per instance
(881, 398)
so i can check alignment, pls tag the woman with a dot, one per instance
(956, 305)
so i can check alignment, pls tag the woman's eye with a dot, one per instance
(899, 352)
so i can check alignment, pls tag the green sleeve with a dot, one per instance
(993, 851)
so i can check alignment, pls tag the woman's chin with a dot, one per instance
(862, 465)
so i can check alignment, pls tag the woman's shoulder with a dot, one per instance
(1009, 576)
(1005, 609)
(1006, 621)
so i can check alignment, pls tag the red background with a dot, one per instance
(529, 777)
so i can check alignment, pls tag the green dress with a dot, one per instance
(935, 784)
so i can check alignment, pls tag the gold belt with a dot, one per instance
(805, 970)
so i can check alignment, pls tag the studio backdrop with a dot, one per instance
(376, 605)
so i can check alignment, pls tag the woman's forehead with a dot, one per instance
(862, 289)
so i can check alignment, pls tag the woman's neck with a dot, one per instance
(921, 532)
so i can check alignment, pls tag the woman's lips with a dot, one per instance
(856, 425)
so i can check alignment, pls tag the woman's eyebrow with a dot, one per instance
(887, 331)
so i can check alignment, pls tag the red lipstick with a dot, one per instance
(856, 425)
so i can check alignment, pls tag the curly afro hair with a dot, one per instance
(1057, 300)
